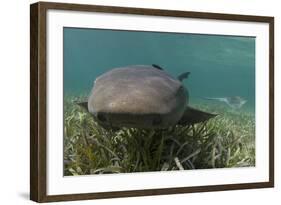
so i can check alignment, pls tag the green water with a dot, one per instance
(220, 65)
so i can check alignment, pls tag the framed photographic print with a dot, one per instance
(134, 102)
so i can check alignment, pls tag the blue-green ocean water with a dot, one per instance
(220, 65)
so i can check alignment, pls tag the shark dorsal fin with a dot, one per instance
(183, 76)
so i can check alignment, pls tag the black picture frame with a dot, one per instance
(38, 100)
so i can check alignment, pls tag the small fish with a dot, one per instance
(235, 102)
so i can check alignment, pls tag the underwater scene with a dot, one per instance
(142, 101)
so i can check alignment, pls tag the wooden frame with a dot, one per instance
(38, 97)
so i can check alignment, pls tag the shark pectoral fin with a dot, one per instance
(193, 116)
(83, 104)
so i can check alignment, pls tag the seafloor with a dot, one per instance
(227, 140)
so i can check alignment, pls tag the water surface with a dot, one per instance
(219, 65)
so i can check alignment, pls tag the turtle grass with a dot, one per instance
(225, 141)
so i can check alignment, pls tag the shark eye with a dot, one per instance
(101, 117)
(181, 88)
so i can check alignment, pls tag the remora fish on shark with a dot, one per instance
(141, 96)
(235, 102)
